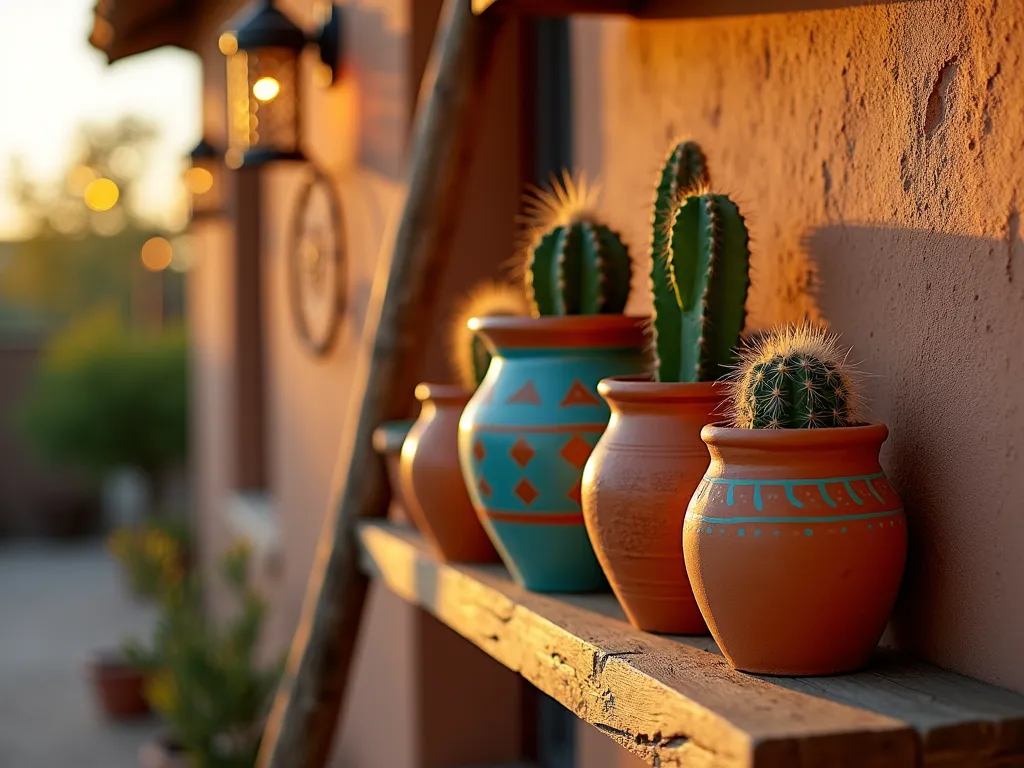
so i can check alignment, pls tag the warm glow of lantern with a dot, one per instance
(198, 180)
(157, 254)
(101, 194)
(266, 89)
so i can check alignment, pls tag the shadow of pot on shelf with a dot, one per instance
(527, 432)
(431, 479)
(636, 486)
(118, 686)
(795, 545)
(387, 442)
(163, 751)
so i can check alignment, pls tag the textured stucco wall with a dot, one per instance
(877, 152)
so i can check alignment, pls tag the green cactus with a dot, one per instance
(576, 265)
(700, 310)
(684, 171)
(795, 378)
(469, 355)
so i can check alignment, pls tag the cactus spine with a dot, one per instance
(575, 265)
(469, 355)
(795, 378)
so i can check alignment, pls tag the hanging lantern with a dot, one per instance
(272, 46)
(204, 180)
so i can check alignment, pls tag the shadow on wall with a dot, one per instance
(668, 9)
(936, 319)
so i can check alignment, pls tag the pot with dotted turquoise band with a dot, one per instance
(795, 543)
(526, 435)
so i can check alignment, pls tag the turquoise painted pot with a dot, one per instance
(528, 431)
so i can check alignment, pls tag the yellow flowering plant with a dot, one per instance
(204, 677)
(149, 553)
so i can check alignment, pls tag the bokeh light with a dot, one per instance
(266, 89)
(198, 180)
(101, 194)
(228, 44)
(108, 223)
(79, 178)
(157, 254)
(125, 161)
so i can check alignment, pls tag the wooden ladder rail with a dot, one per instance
(305, 714)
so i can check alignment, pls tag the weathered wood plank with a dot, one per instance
(666, 701)
(960, 721)
(303, 720)
(659, 9)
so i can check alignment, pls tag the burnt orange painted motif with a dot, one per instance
(432, 480)
(795, 544)
(635, 489)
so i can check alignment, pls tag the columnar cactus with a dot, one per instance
(685, 171)
(575, 265)
(699, 314)
(469, 355)
(796, 377)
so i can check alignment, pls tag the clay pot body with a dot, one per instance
(795, 544)
(120, 687)
(526, 434)
(387, 441)
(432, 480)
(636, 486)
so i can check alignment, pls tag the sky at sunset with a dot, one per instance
(51, 81)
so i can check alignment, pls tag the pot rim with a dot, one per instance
(642, 388)
(449, 394)
(718, 434)
(389, 435)
(550, 332)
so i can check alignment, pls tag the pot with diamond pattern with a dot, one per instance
(528, 431)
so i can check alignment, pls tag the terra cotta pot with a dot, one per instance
(636, 486)
(387, 441)
(795, 543)
(432, 481)
(120, 687)
(528, 431)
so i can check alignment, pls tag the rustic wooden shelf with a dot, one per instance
(658, 9)
(675, 702)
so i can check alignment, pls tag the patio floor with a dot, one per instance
(58, 602)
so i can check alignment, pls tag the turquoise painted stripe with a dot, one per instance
(697, 519)
(811, 481)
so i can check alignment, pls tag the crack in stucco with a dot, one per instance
(938, 100)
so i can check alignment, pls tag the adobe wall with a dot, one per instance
(877, 153)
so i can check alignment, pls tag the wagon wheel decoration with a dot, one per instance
(317, 261)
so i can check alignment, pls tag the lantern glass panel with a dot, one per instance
(273, 100)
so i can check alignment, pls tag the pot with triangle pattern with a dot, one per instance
(526, 434)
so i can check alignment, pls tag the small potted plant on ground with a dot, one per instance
(651, 458)
(526, 434)
(430, 474)
(119, 684)
(205, 680)
(795, 541)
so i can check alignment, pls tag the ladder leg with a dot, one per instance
(305, 714)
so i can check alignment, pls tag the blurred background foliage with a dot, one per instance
(108, 397)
